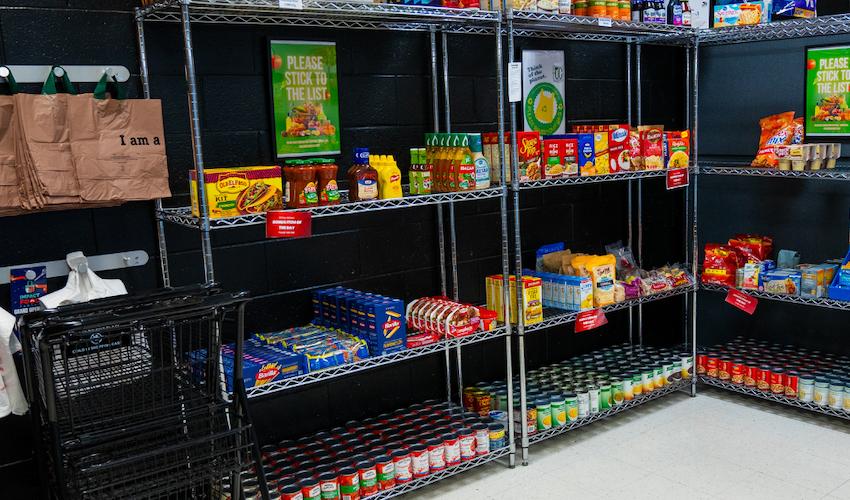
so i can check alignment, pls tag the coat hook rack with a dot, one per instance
(77, 73)
(105, 262)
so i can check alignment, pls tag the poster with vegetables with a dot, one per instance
(305, 97)
(827, 91)
(543, 91)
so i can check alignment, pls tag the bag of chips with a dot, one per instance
(776, 130)
(754, 248)
(720, 264)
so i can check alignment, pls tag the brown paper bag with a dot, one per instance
(10, 195)
(118, 148)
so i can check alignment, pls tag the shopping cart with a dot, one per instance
(125, 407)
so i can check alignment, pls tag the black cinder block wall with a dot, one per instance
(385, 105)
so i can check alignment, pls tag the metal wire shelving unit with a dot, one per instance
(724, 168)
(435, 22)
(626, 405)
(634, 36)
(780, 30)
(776, 398)
(793, 299)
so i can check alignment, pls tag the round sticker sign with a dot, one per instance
(544, 108)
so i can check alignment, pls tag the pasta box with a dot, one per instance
(261, 364)
(529, 153)
(585, 152)
(231, 192)
(385, 330)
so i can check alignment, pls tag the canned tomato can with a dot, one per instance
(368, 478)
(724, 368)
(385, 471)
(403, 466)
(436, 455)
(763, 378)
(349, 484)
(702, 363)
(467, 444)
(791, 382)
(736, 371)
(419, 460)
(776, 380)
(329, 483)
(451, 442)
(711, 365)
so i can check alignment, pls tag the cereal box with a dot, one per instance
(600, 148)
(618, 148)
(553, 158)
(652, 148)
(677, 149)
(530, 156)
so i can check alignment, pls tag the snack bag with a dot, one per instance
(602, 272)
(776, 130)
(625, 260)
(753, 248)
(799, 130)
(720, 264)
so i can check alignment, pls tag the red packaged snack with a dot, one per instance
(776, 130)
(753, 247)
(720, 264)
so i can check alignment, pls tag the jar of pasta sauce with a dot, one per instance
(777, 376)
(736, 371)
(791, 383)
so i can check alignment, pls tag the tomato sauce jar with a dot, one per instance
(403, 466)
(385, 471)
(436, 455)
(737, 370)
(349, 484)
(776, 380)
(419, 460)
(791, 381)
(368, 478)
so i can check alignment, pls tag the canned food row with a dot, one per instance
(783, 370)
(362, 458)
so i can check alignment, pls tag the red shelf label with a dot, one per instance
(284, 224)
(588, 320)
(677, 178)
(742, 301)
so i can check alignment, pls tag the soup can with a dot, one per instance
(776, 380)
(763, 378)
(791, 383)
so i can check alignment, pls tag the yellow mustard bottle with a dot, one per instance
(389, 179)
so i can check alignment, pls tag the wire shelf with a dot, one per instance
(794, 299)
(330, 14)
(183, 215)
(555, 317)
(373, 362)
(752, 391)
(839, 174)
(591, 179)
(798, 28)
(401, 489)
(549, 25)
(626, 405)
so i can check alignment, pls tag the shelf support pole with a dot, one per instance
(639, 256)
(695, 235)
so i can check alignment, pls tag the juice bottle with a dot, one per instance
(414, 173)
(362, 178)
(389, 179)
(482, 166)
(440, 159)
(427, 177)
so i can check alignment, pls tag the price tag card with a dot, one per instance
(677, 178)
(285, 224)
(514, 82)
(604, 21)
(291, 4)
(742, 301)
(588, 320)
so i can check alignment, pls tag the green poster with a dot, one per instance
(827, 91)
(305, 97)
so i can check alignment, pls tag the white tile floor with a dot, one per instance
(717, 445)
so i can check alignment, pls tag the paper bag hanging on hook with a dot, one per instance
(10, 194)
(118, 146)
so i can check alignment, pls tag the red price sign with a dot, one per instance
(284, 224)
(677, 178)
(588, 320)
(742, 301)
